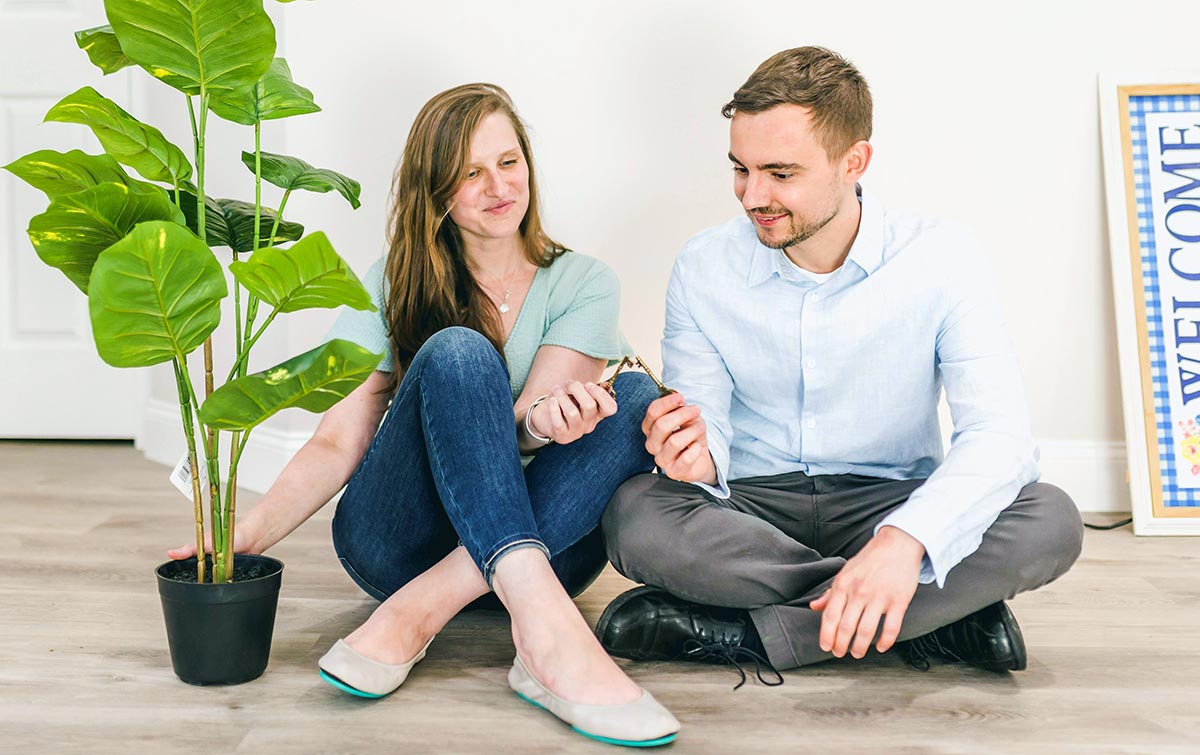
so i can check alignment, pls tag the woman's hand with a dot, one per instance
(572, 412)
(244, 541)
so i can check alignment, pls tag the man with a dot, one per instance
(804, 509)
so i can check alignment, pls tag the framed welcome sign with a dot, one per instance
(1150, 128)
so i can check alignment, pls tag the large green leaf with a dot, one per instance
(315, 381)
(292, 173)
(273, 96)
(77, 227)
(308, 275)
(239, 216)
(58, 173)
(102, 48)
(127, 139)
(155, 294)
(230, 222)
(218, 45)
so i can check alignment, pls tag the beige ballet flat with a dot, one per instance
(351, 671)
(641, 723)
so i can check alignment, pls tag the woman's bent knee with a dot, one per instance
(635, 391)
(457, 354)
(458, 342)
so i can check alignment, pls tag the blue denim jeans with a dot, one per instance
(444, 469)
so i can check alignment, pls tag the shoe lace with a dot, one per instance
(920, 650)
(730, 653)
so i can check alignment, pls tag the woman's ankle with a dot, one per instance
(386, 639)
(416, 612)
(524, 576)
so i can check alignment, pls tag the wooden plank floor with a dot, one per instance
(1114, 662)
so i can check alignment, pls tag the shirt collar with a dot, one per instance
(866, 251)
(762, 261)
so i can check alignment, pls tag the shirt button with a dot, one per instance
(810, 424)
(816, 297)
(810, 362)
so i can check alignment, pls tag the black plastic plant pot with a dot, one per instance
(220, 634)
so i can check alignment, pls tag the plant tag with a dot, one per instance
(181, 477)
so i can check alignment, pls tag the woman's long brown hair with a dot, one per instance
(430, 285)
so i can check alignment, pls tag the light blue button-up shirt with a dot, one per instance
(844, 377)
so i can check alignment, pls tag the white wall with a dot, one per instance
(985, 113)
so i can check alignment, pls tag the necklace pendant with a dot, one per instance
(503, 307)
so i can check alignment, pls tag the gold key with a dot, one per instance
(635, 363)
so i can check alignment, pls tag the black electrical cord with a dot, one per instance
(1112, 526)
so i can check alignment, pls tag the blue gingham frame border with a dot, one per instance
(1139, 105)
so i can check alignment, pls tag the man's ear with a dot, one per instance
(857, 160)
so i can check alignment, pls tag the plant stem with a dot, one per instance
(237, 310)
(279, 215)
(243, 349)
(235, 456)
(195, 131)
(231, 490)
(252, 300)
(251, 314)
(230, 495)
(241, 361)
(202, 212)
(252, 307)
(257, 183)
(189, 432)
(214, 473)
(211, 451)
(212, 463)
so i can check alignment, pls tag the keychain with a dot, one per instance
(635, 363)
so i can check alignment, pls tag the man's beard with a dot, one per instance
(799, 232)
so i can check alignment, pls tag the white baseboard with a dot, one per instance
(1092, 472)
(267, 453)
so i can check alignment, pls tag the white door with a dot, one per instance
(52, 384)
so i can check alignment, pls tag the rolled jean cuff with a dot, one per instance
(489, 565)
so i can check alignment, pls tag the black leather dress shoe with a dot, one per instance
(650, 624)
(987, 639)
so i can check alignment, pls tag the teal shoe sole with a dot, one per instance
(347, 688)
(608, 740)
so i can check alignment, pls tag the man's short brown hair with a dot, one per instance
(815, 78)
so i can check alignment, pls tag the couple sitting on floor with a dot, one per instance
(802, 508)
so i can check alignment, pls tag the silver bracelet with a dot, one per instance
(529, 428)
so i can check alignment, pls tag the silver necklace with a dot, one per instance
(503, 305)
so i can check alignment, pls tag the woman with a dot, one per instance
(443, 504)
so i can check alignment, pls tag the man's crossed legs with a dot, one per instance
(777, 542)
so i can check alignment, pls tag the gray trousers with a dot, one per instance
(776, 543)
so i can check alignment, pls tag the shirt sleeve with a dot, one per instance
(585, 312)
(694, 367)
(364, 327)
(992, 454)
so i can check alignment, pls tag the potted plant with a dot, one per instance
(150, 263)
